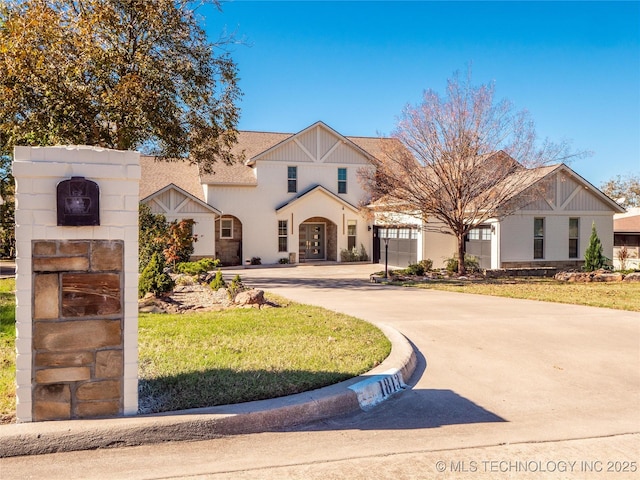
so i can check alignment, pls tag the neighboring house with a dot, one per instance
(626, 233)
(297, 197)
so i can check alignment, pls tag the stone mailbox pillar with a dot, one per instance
(76, 282)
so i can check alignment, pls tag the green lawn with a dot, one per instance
(248, 354)
(205, 359)
(7, 349)
(618, 295)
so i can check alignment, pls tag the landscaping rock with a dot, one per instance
(595, 276)
(250, 297)
(632, 277)
(603, 276)
(573, 276)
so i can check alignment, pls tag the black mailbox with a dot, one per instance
(78, 202)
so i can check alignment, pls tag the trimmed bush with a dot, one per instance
(354, 255)
(235, 287)
(470, 262)
(218, 282)
(196, 268)
(153, 278)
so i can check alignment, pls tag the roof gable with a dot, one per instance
(565, 190)
(173, 200)
(317, 143)
(312, 192)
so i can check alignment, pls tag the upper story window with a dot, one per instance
(538, 238)
(226, 228)
(342, 180)
(292, 179)
(574, 234)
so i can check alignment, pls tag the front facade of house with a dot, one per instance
(297, 199)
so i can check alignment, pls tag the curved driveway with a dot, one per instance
(526, 370)
(500, 381)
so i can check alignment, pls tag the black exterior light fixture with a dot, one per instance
(385, 239)
(78, 202)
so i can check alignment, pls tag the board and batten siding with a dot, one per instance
(565, 198)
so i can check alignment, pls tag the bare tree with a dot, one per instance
(461, 159)
(624, 190)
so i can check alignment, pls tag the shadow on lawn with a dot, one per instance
(211, 388)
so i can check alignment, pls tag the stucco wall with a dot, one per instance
(255, 206)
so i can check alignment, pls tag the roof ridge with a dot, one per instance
(266, 131)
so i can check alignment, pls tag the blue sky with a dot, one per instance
(355, 65)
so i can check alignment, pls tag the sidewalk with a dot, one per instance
(207, 423)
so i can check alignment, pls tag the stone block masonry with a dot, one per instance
(77, 328)
(76, 287)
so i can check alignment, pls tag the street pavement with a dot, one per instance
(504, 388)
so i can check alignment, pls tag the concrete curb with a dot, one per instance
(212, 422)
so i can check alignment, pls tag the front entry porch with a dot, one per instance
(318, 240)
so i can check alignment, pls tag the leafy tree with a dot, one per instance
(152, 232)
(174, 241)
(624, 190)
(7, 209)
(593, 257)
(136, 74)
(453, 159)
(180, 239)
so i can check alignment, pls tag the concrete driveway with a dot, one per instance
(505, 389)
(530, 370)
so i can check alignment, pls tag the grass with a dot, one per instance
(234, 356)
(617, 295)
(194, 360)
(248, 354)
(7, 349)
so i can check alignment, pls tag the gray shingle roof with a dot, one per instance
(158, 174)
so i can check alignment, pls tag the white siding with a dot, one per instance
(438, 246)
(516, 235)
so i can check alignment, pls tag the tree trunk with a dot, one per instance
(461, 267)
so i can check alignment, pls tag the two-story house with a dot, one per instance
(296, 197)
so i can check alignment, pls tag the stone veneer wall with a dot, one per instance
(77, 329)
(77, 348)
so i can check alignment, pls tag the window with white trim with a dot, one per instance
(342, 180)
(282, 236)
(292, 179)
(226, 228)
(574, 234)
(538, 238)
(351, 234)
